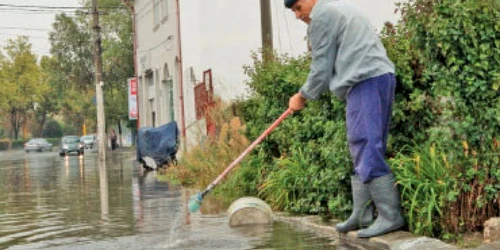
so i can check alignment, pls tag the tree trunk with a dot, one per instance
(120, 133)
(15, 119)
(41, 119)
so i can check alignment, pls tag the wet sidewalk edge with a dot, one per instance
(398, 240)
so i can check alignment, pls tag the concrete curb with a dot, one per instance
(399, 240)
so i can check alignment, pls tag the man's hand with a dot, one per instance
(297, 102)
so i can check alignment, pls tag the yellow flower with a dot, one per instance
(465, 145)
(417, 165)
(445, 161)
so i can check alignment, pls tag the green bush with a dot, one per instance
(305, 158)
(69, 129)
(17, 144)
(52, 129)
(54, 141)
(447, 55)
(4, 144)
(427, 181)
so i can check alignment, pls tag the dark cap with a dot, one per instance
(289, 3)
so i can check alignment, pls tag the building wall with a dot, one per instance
(159, 69)
(157, 50)
(196, 130)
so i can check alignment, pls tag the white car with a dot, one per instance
(37, 144)
(89, 141)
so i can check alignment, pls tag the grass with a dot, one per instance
(425, 180)
(203, 163)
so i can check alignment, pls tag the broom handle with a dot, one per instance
(257, 141)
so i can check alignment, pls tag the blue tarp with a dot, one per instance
(160, 143)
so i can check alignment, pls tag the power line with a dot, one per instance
(59, 7)
(33, 29)
(67, 12)
(23, 28)
(168, 39)
(22, 11)
(42, 9)
(35, 37)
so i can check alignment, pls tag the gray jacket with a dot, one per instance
(345, 50)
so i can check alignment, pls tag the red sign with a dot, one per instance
(132, 99)
(133, 86)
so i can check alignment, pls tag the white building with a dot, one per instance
(163, 94)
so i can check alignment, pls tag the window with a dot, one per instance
(150, 85)
(149, 119)
(156, 13)
(171, 111)
(164, 10)
(153, 119)
(169, 93)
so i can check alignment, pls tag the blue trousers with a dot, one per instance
(368, 115)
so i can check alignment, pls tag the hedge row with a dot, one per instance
(18, 144)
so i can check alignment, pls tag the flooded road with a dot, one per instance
(73, 202)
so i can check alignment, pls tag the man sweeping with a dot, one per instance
(349, 59)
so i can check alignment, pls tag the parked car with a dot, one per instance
(37, 144)
(89, 141)
(71, 143)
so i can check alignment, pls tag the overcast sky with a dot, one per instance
(220, 34)
(34, 24)
(216, 34)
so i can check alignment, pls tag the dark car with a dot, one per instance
(37, 144)
(69, 144)
(89, 141)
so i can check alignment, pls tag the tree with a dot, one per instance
(48, 103)
(22, 82)
(73, 73)
(52, 129)
(72, 68)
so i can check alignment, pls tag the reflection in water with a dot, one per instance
(284, 236)
(46, 197)
(27, 181)
(103, 188)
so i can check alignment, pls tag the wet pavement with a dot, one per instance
(75, 202)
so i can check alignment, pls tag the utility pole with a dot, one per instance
(266, 29)
(130, 6)
(101, 126)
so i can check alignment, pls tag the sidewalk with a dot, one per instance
(399, 240)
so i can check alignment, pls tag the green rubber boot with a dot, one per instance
(362, 213)
(387, 202)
